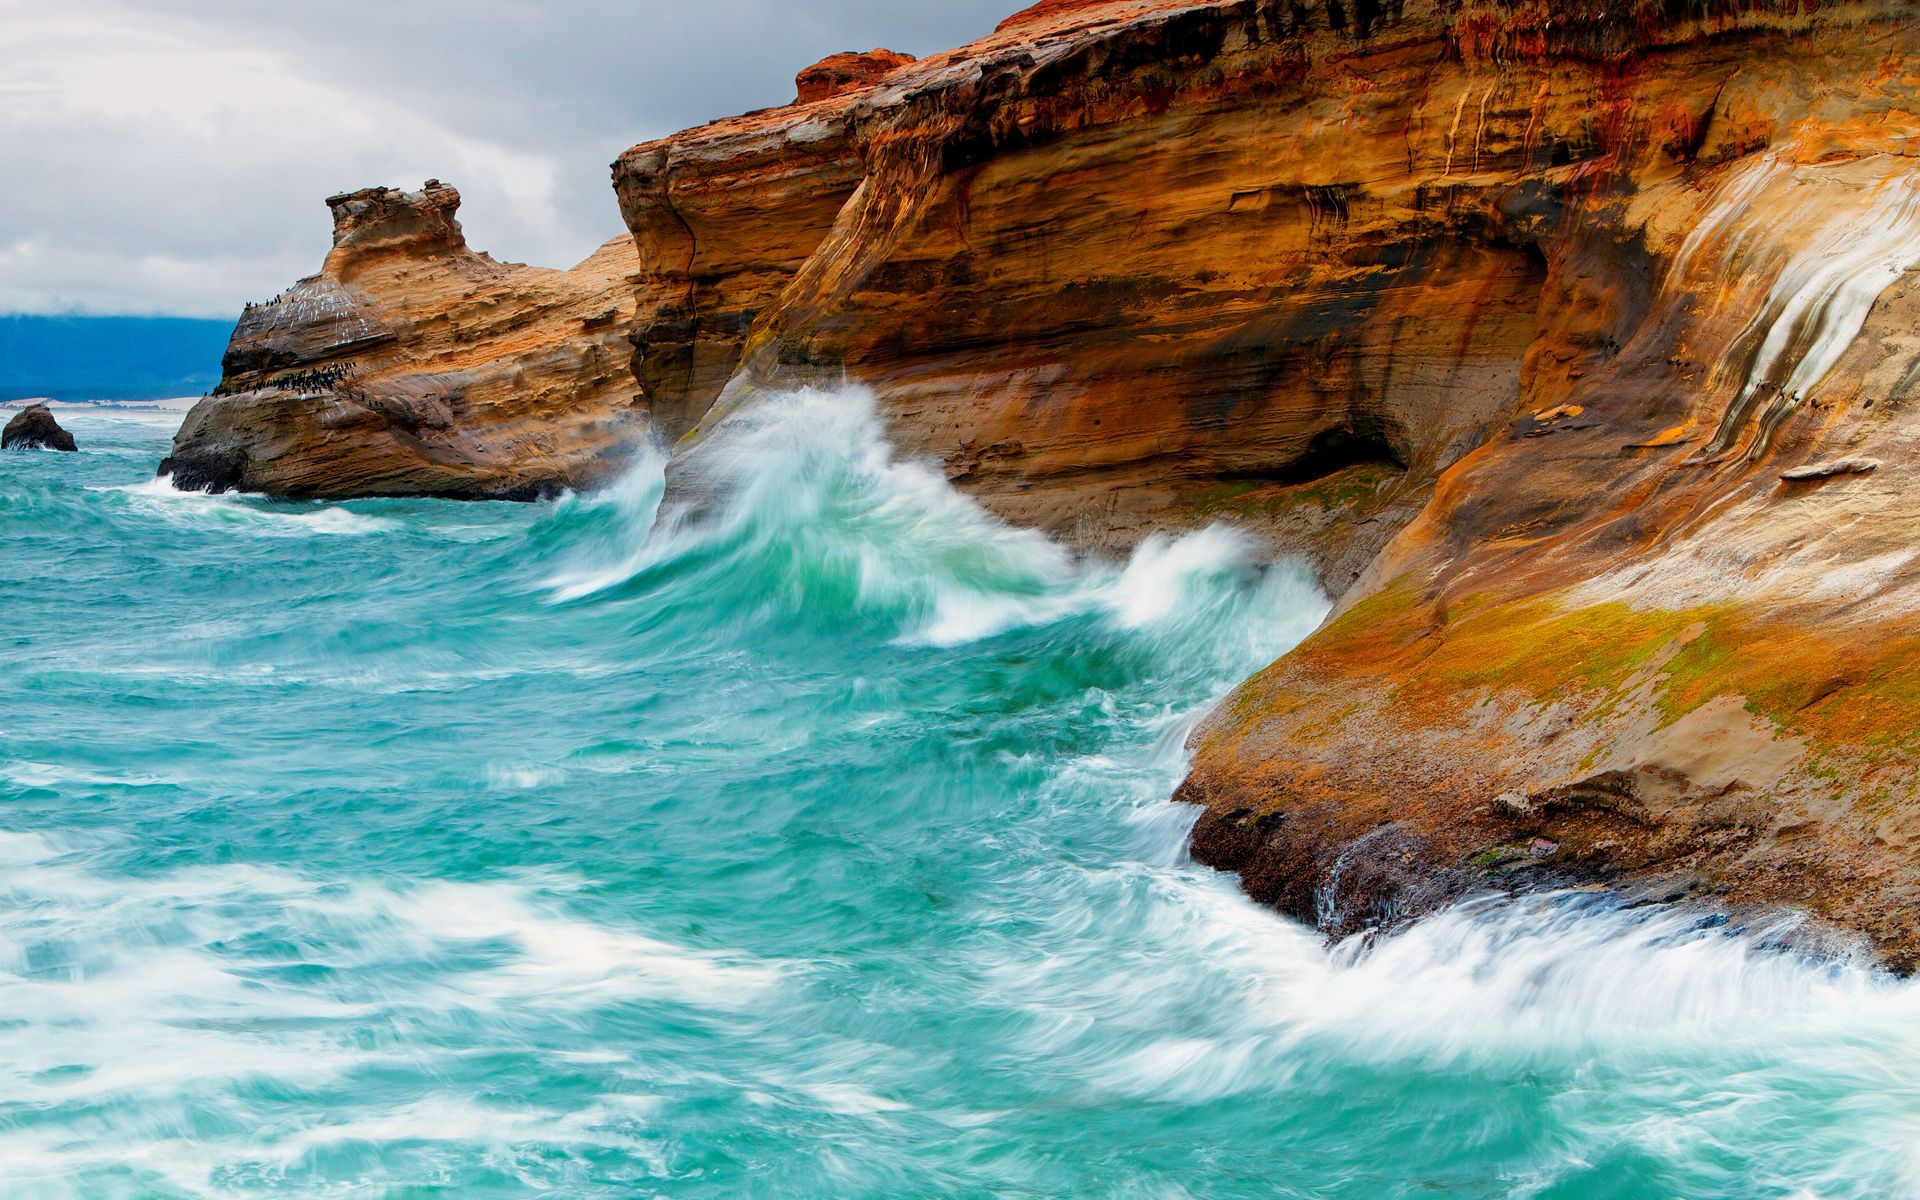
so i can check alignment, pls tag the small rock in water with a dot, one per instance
(34, 428)
(1827, 470)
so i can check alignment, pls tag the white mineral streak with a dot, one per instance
(1857, 231)
(1722, 230)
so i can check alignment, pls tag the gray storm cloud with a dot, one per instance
(170, 156)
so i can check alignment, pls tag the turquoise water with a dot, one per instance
(813, 844)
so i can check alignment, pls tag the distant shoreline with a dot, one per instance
(169, 404)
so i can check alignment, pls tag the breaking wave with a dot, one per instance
(803, 513)
(798, 831)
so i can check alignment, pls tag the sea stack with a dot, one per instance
(412, 365)
(33, 428)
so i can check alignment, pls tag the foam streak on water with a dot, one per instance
(802, 833)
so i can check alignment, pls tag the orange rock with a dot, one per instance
(411, 365)
(1130, 265)
(1052, 10)
(838, 74)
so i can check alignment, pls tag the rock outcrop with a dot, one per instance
(1657, 628)
(1560, 335)
(33, 428)
(1574, 283)
(847, 71)
(1104, 266)
(413, 366)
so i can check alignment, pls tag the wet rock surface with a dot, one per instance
(34, 428)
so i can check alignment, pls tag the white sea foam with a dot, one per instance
(246, 514)
(1656, 1028)
(29, 773)
(1506, 987)
(230, 1030)
(136, 994)
(567, 962)
(1514, 980)
(805, 486)
(506, 777)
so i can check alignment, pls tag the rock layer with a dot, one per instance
(1656, 629)
(1061, 261)
(847, 71)
(413, 366)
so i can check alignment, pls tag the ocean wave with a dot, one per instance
(137, 997)
(1668, 1033)
(799, 829)
(796, 508)
(243, 513)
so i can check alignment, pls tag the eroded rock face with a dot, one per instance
(376, 219)
(1054, 257)
(724, 217)
(1656, 629)
(413, 366)
(33, 428)
(1544, 297)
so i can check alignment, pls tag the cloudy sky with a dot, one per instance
(171, 156)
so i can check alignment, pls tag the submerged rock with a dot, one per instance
(33, 428)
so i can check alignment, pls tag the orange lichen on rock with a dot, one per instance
(1649, 745)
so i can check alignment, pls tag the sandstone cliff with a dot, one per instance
(1572, 340)
(411, 365)
(1655, 628)
(1645, 266)
(1103, 266)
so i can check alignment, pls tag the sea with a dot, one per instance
(806, 833)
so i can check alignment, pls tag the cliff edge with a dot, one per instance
(1594, 321)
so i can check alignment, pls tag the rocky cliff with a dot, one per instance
(1630, 282)
(411, 365)
(1573, 342)
(1105, 268)
(1653, 629)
